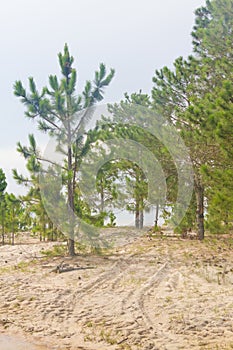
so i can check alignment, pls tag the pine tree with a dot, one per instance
(3, 185)
(130, 119)
(33, 199)
(189, 94)
(213, 43)
(56, 109)
(14, 210)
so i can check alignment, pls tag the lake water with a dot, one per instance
(14, 343)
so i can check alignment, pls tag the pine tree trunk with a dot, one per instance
(54, 233)
(3, 228)
(13, 229)
(71, 181)
(51, 231)
(102, 198)
(156, 215)
(137, 202)
(44, 228)
(199, 191)
(137, 215)
(141, 219)
(71, 247)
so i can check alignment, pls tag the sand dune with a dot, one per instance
(164, 293)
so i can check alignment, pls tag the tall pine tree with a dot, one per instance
(56, 108)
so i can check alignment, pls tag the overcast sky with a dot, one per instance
(134, 37)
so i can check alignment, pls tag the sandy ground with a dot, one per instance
(164, 293)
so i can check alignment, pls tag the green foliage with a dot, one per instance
(212, 35)
(62, 112)
(125, 115)
(189, 220)
(14, 211)
(34, 213)
(112, 218)
(196, 97)
(57, 250)
(11, 210)
(3, 183)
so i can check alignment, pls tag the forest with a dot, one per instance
(194, 98)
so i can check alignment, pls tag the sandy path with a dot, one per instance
(161, 294)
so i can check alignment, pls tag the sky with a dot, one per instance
(133, 37)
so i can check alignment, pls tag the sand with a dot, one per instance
(163, 293)
(17, 343)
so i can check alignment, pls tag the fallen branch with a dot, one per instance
(122, 341)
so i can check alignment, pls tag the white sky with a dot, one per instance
(134, 37)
